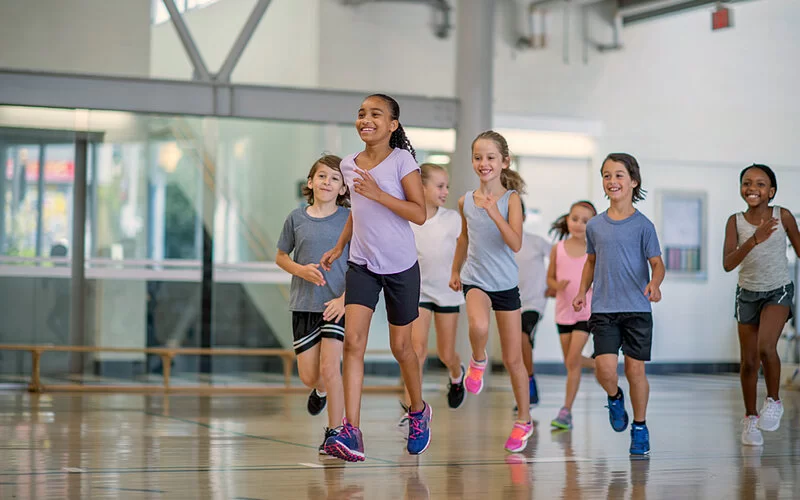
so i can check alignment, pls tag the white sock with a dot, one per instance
(459, 379)
(321, 394)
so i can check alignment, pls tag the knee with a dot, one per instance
(355, 345)
(605, 373)
(634, 371)
(573, 363)
(421, 351)
(767, 352)
(749, 365)
(478, 327)
(511, 360)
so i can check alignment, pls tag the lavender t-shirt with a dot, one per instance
(382, 240)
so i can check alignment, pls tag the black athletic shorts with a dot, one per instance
(582, 326)
(504, 300)
(749, 304)
(529, 321)
(633, 332)
(431, 306)
(309, 329)
(400, 291)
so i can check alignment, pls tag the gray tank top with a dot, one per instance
(766, 267)
(490, 262)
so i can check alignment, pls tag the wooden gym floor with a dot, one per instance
(66, 446)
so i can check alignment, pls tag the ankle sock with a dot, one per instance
(459, 379)
(321, 394)
(618, 395)
(642, 423)
(481, 363)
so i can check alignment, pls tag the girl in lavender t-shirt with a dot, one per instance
(386, 193)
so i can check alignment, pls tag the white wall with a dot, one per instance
(283, 51)
(110, 37)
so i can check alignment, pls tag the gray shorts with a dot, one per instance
(749, 304)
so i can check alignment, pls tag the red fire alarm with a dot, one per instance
(721, 18)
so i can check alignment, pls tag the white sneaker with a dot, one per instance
(751, 436)
(771, 414)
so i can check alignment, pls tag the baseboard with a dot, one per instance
(653, 368)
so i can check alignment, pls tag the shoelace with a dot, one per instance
(563, 414)
(416, 426)
(344, 430)
(771, 410)
(518, 432)
(751, 424)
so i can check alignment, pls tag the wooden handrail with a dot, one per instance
(167, 354)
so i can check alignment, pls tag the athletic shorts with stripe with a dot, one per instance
(309, 329)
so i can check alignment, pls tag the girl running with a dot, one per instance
(564, 275)
(436, 245)
(386, 192)
(755, 240)
(491, 232)
(316, 299)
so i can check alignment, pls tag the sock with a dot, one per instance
(617, 396)
(418, 412)
(321, 394)
(642, 423)
(481, 363)
(457, 380)
(524, 422)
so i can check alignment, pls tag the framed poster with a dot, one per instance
(683, 233)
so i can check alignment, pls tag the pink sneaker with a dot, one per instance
(518, 439)
(473, 381)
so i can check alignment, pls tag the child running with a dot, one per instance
(564, 276)
(620, 243)
(436, 245)
(755, 240)
(491, 232)
(316, 299)
(532, 289)
(386, 193)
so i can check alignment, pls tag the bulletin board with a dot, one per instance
(683, 233)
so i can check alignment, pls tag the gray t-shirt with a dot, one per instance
(621, 270)
(310, 237)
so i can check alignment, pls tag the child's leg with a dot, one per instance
(419, 342)
(308, 368)
(573, 361)
(527, 355)
(773, 317)
(400, 341)
(330, 370)
(749, 363)
(446, 326)
(639, 387)
(356, 330)
(508, 325)
(478, 307)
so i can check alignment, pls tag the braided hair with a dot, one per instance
(398, 138)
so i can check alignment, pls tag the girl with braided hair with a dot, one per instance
(386, 194)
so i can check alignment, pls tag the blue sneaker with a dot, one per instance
(419, 430)
(640, 440)
(534, 392)
(347, 444)
(617, 414)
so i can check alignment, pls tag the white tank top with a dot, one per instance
(436, 246)
(766, 267)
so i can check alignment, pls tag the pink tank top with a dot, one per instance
(570, 268)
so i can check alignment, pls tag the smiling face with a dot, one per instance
(374, 121)
(617, 182)
(487, 160)
(326, 183)
(756, 187)
(436, 188)
(578, 216)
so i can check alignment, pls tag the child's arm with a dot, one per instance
(732, 253)
(309, 272)
(552, 283)
(511, 229)
(587, 277)
(334, 253)
(411, 209)
(653, 289)
(790, 224)
(461, 250)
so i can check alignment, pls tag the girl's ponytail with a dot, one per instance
(560, 228)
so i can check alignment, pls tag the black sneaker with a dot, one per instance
(456, 392)
(316, 403)
(328, 433)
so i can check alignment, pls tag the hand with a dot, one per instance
(328, 257)
(310, 272)
(334, 309)
(550, 292)
(366, 185)
(652, 292)
(455, 282)
(560, 285)
(579, 302)
(765, 230)
(488, 203)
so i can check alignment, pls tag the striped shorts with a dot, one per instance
(749, 304)
(309, 329)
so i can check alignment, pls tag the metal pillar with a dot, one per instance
(3, 162)
(206, 215)
(40, 202)
(78, 289)
(200, 69)
(474, 58)
(242, 40)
